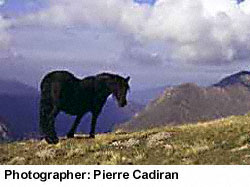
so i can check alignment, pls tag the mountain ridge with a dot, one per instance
(190, 103)
(242, 78)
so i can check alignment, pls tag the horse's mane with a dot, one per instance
(109, 75)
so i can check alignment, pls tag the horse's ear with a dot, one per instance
(128, 78)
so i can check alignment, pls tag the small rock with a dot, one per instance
(75, 152)
(115, 143)
(240, 148)
(120, 132)
(168, 146)
(22, 143)
(42, 142)
(17, 160)
(46, 154)
(129, 143)
(158, 138)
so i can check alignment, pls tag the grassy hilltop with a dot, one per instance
(223, 141)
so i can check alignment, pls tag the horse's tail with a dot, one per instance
(46, 106)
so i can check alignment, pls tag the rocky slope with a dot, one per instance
(3, 130)
(190, 103)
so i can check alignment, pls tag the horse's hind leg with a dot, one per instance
(74, 127)
(45, 109)
(51, 136)
(93, 125)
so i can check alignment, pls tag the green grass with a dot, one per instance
(224, 141)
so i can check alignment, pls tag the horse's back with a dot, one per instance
(58, 76)
(53, 83)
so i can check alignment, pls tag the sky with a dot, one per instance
(156, 42)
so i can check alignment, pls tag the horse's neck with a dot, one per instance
(110, 83)
(103, 84)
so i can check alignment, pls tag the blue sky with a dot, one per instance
(151, 2)
(22, 6)
(239, 1)
(162, 44)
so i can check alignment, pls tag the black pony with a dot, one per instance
(62, 91)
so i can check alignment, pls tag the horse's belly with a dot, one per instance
(73, 109)
(70, 112)
(74, 103)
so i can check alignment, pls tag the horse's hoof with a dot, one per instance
(70, 135)
(91, 136)
(50, 140)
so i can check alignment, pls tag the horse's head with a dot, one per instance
(120, 91)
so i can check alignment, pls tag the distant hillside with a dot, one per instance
(11, 87)
(19, 106)
(21, 111)
(241, 78)
(190, 103)
(224, 141)
(3, 130)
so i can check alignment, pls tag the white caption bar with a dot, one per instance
(205, 176)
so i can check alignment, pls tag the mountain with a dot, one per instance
(21, 111)
(3, 130)
(241, 78)
(13, 87)
(18, 105)
(188, 103)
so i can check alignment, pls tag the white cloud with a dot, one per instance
(2, 3)
(201, 31)
(4, 35)
(66, 12)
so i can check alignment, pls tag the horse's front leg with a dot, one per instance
(74, 127)
(93, 125)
